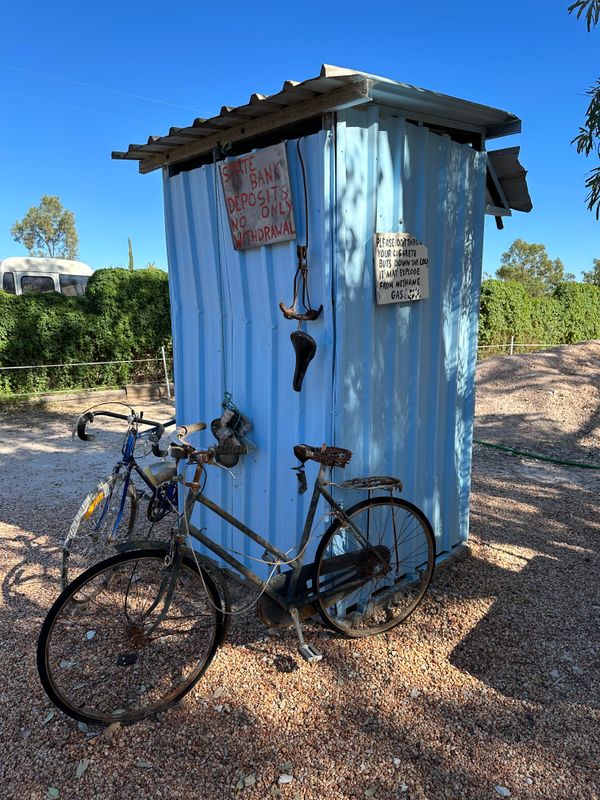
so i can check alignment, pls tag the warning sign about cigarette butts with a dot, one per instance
(259, 198)
(401, 268)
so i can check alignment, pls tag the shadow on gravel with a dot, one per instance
(342, 722)
(534, 432)
(34, 564)
(29, 438)
(538, 643)
(561, 373)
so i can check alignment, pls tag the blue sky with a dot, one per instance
(116, 61)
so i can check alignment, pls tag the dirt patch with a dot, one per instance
(492, 686)
(548, 401)
(40, 456)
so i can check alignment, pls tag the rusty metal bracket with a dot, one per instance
(301, 287)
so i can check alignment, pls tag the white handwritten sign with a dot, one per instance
(401, 268)
(259, 198)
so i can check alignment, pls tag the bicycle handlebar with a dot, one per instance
(187, 450)
(187, 430)
(154, 436)
(81, 423)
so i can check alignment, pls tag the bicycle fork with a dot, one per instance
(165, 591)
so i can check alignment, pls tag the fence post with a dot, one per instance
(164, 358)
(512, 348)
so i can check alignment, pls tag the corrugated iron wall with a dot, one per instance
(392, 383)
(404, 376)
(207, 275)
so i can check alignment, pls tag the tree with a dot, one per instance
(593, 276)
(588, 138)
(131, 267)
(48, 229)
(530, 265)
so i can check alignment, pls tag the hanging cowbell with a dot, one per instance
(305, 348)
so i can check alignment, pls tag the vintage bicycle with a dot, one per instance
(130, 636)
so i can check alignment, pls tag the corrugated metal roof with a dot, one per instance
(335, 88)
(512, 177)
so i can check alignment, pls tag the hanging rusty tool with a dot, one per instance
(301, 292)
(301, 308)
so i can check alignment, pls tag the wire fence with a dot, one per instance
(512, 348)
(30, 380)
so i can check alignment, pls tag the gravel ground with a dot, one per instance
(490, 688)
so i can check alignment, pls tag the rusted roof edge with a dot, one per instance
(355, 93)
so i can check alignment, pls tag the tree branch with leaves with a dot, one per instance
(531, 266)
(48, 230)
(593, 276)
(587, 140)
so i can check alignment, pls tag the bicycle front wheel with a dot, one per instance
(369, 583)
(106, 517)
(129, 637)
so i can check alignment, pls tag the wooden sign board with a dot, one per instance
(401, 268)
(259, 198)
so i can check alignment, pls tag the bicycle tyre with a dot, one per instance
(400, 561)
(97, 658)
(91, 537)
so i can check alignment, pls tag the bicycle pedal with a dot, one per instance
(310, 653)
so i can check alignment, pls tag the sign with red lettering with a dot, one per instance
(259, 198)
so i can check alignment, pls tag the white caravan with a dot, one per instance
(21, 275)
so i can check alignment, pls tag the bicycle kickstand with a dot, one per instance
(308, 651)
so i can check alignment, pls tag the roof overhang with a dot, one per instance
(334, 89)
(506, 185)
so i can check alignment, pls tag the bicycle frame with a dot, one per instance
(129, 463)
(290, 599)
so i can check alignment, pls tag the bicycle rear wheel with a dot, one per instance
(129, 637)
(106, 517)
(369, 583)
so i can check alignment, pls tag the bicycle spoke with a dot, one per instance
(396, 566)
(125, 668)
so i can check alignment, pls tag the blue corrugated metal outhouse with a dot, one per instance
(392, 381)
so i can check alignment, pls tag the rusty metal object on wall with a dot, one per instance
(301, 282)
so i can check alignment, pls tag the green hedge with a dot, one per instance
(571, 314)
(580, 305)
(505, 308)
(123, 315)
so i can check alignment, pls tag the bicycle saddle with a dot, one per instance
(330, 456)
(305, 348)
